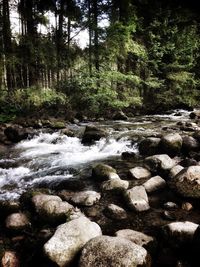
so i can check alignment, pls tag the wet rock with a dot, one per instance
(190, 144)
(175, 170)
(149, 146)
(17, 222)
(115, 252)
(68, 132)
(187, 182)
(187, 162)
(159, 163)
(15, 133)
(51, 208)
(171, 144)
(168, 215)
(195, 114)
(104, 172)
(139, 238)
(92, 133)
(115, 212)
(116, 184)
(83, 198)
(186, 206)
(120, 115)
(179, 233)
(139, 173)
(69, 239)
(196, 135)
(57, 125)
(154, 184)
(10, 259)
(128, 155)
(170, 205)
(137, 198)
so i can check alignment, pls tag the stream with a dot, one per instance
(50, 157)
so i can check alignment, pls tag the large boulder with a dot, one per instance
(139, 173)
(175, 170)
(115, 212)
(113, 252)
(51, 208)
(195, 114)
(104, 172)
(187, 182)
(82, 198)
(179, 233)
(92, 133)
(138, 238)
(171, 144)
(159, 163)
(69, 239)
(149, 146)
(137, 198)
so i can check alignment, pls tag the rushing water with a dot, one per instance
(48, 157)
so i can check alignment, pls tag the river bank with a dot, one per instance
(62, 173)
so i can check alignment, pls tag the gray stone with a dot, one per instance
(51, 208)
(115, 212)
(83, 198)
(113, 252)
(171, 143)
(149, 146)
(175, 170)
(17, 221)
(187, 182)
(104, 172)
(69, 239)
(139, 173)
(138, 238)
(178, 233)
(158, 163)
(115, 184)
(137, 198)
(190, 144)
(154, 184)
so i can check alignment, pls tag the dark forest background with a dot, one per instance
(146, 59)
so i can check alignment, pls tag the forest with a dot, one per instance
(139, 56)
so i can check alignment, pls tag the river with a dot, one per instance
(52, 157)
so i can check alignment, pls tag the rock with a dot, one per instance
(113, 252)
(170, 205)
(196, 135)
(57, 125)
(10, 259)
(15, 133)
(159, 163)
(92, 133)
(68, 132)
(195, 114)
(171, 144)
(187, 182)
(104, 172)
(154, 184)
(149, 146)
(179, 233)
(167, 215)
(190, 144)
(115, 184)
(120, 116)
(175, 170)
(115, 212)
(69, 239)
(17, 222)
(143, 240)
(51, 208)
(128, 155)
(83, 198)
(187, 206)
(187, 162)
(137, 198)
(139, 173)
